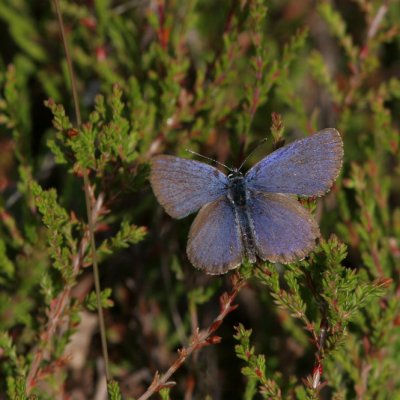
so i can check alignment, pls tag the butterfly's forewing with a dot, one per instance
(214, 244)
(305, 167)
(284, 231)
(183, 186)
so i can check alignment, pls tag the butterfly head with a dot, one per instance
(235, 175)
(237, 188)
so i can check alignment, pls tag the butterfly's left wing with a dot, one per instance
(214, 244)
(284, 231)
(182, 186)
(305, 167)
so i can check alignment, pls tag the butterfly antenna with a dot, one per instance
(251, 153)
(210, 159)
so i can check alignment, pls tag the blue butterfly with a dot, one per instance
(252, 215)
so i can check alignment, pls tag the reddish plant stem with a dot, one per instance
(320, 338)
(357, 78)
(319, 355)
(373, 29)
(377, 262)
(200, 338)
(57, 312)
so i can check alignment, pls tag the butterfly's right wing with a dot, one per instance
(182, 186)
(305, 167)
(215, 244)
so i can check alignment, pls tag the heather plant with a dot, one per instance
(97, 296)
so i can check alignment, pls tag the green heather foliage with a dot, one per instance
(216, 77)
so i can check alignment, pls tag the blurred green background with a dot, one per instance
(216, 77)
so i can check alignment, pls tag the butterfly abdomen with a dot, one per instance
(238, 196)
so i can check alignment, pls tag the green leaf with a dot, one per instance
(114, 390)
(106, 302)
(7, 268)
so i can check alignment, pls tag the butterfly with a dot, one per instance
(251, 216)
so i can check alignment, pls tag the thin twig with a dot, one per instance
(58, 306)
(320, 339)
(356, 79)
(377, 20)
(199, 339)
(69, 62)
(96, 275)
(88, 197)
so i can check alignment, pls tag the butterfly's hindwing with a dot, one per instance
(214, 244)
(284, 231)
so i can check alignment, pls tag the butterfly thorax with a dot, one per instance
(237, 189)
